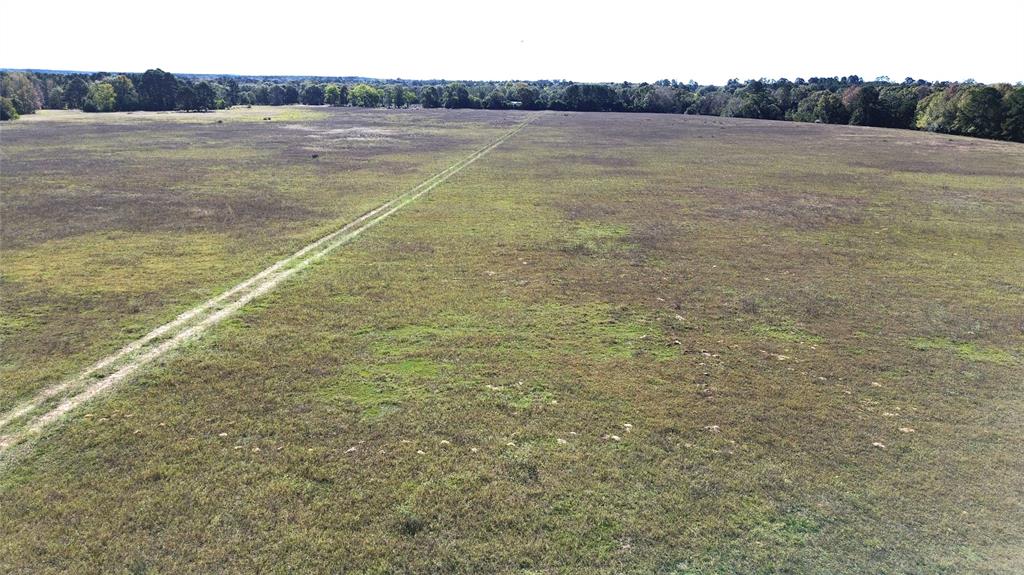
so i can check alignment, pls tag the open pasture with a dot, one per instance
(114, 225)
(614, 344)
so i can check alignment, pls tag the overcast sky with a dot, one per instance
(709, 41)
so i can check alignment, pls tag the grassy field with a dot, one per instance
(615, 344)
(115, 225)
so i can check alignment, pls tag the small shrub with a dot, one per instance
(409, 523)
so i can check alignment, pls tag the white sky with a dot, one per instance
(708, 41)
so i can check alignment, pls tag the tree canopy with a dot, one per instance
(100, 98)
(971, 109)
(157, 90)
(365, 96)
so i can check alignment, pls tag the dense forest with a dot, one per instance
(966, 108)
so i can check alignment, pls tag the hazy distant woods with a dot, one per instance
(971, 109)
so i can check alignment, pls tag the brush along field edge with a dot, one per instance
(49, 405)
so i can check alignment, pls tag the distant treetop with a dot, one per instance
(968, 108)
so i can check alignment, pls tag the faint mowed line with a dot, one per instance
(54, 402)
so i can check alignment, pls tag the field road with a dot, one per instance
(27, 419)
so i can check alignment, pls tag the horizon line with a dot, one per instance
(401, 79)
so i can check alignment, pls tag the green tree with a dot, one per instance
(455, 96)
(336, 95)
(275, 95)
(157, 90)
(595, 97)
(804, 111)
(429, 97)
(204, 97)
(786, 96)
(24, 95)
(55, 99)
(398, 96)
(829, 109)
(937, 111)
(1013, 119)
(898, 106)
(232, 92)
(126, 96)
(261, 94)
(711, 101)
(100, 98)
(312, 95)
(291, 95)
(862, 103)
(495, 100)
(365, 96)
(186, 97)
(74, 94)
(7, 110)
(529, 98)
(979, 112)
(654, 98)
(753, 100)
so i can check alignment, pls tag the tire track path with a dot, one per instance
(32, 416)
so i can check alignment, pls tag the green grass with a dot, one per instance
(786, 332)
(967, 350)
(596, 238)
(158, 219)
(594, 366)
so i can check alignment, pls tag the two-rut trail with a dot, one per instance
(27, 419)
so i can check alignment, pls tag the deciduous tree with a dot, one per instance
(204, 97)
(74, 94)
(157, 90)
(1013, 120)
(862, 103)
(456, 96)
(7, 111)
(126, 96)
(100, 98)
(429, 97)
(979, 112)
(291, 95)
(186, 97)
(365, 96)
(21, 91)
(312, 95)
(55, 99)
(336, 95)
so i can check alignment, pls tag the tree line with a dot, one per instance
(967, 108)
